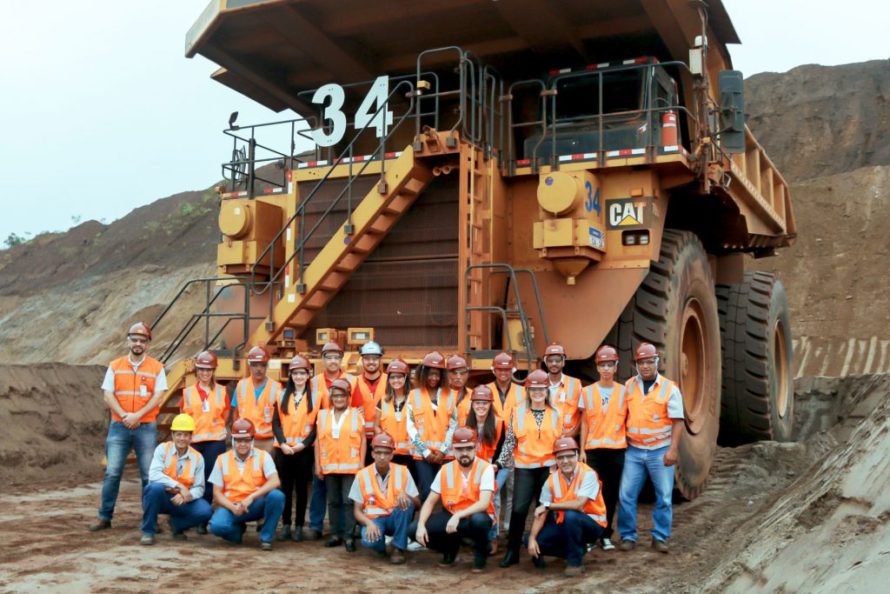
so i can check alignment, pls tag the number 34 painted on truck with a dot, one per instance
(370, 114)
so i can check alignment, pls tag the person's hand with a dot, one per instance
(247, 502)
(540, 510)
(420, 536)
(451, 526)
(403, 501)
(297, 447)
(533, 549)
(239, 509)
(287, 450)
(319, 473)
(184, 491)
(670, 457)
(178, 499)
(372, 532)
(130, 420)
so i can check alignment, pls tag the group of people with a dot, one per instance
(376, 447)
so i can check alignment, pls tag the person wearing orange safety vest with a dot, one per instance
(465, 487)
(458, 372)
(655, 423)
(255, 398)
(565, 391)
(603, 409)
(432, 418)
(508, 396)
(176, 484)
(391, 417)
(332, 358)
(370, 386)
(245, 489)
(293, 424)
(490, 430)
(571, 514)
(339, 455)
(384, 499)
(536, 424)
(208, 404)
(133, 388)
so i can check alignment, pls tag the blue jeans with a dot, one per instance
(120, 440)
(395, 525)
(501, 480)
(318, 504)
(227, 525)
(637, 464)
(156, 500)
(569, 539)
(426, 472)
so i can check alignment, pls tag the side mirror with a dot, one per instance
(732, 111)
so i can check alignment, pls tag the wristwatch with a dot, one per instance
(546, 504)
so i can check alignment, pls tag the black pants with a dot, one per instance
(408, 462)
(426, 472)
(210, 451)
(608, 464)
(475, 527)
(339, 505)
(526, 489)
(295, 472)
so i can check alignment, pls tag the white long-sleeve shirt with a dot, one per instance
(414, 438)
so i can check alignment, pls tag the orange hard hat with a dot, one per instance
(554, 348)
(537, 379)
(299, 362)
(205, 360)
(463, 436)
(257, 355)
(456, 362)
(503, 360)
(606, 353)
(646, 350)
(140, 329)
(482, 392)
(398, 366)
(242, 429)
(331, 347)
(341, 384)
(434, 360)
(383, 440)
(564, 444)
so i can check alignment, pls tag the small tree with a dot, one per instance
(14, 240)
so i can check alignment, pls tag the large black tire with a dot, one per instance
(676, 310)
(758, 391)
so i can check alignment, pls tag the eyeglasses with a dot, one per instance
(566, 457)
(299, 372)
(553, 360)
(606, 365)
(647, 361)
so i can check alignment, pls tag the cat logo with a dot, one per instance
(627, 213)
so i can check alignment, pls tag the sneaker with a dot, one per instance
(660, 545)
(298, 534)
(415, 546)
(627, 545)
(266, 546)
(607, 545)
(202, 529)
(285, 533)
(334, 541)
(479, 564)
(99, 524)
(311, 534)
(176, 535)
(147, 539)
(397, 557)
(539, 562)
(573, 571)
(350, 545)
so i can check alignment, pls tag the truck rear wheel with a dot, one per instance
(758, 393)
(676, 310)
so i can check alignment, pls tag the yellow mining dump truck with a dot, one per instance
(473, 175)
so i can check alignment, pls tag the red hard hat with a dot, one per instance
(205, 360)
(606, 353)
(554, 348)
(331, 347)
(463, 436)
(257, 355)
(456, 362)
(140, 329)
(646, 350)
(563, 444)
(398, 366)
(482, 392)
(503, 360)
(537, 379)
(299, 362)
(242, 429)
(434, 360)
(341, 384)
(383, 440)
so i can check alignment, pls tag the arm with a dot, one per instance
(584, 430)
(373, 533)
(112, 403)
(509, 445)
(363, 449)
(318, 471)
(670, 456)
(377, 428)
(152, 404)
(449, 434)
(495, 459)
(197, 490)
(310, 439)
(156, 470)
(272, 483)
(418, 444)
(425, 513)
(276, 426)
(480, 506)
(221, 500)
(537, 524)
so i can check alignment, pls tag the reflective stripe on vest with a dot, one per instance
(134, 389)
(321, 395)
(209, 425)
(432, 432)
(258, 411)
(239, 484)
(454, 499)
(341, 455)
(594, 508)
(605, 427)
(296, 424)
(171, 460)
(523, 455)
(397, 428)
(376, 503)
(658, 432)
(370, 400)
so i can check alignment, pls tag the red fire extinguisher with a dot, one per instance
(669, 129)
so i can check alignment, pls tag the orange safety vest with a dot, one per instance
(605, 428)
(210, 415)
(171, 460)
(515, 397)
(340, 456)
(239, 484)
(457, 496)
(321, 393)
(431, 425)
(258, 410)
(566, 401)
(133, 389)
(375, 502)
(561, 492)
(486, 450)
(534, 447)
(396, 425)
(296, 424)
(369, 400)
(648, 424)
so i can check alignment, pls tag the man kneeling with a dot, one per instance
(572, 512)
(384, 496)
(176, 484)
(465, 486)
(245, 487)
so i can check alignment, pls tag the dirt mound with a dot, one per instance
(821, 120)
(54, 423)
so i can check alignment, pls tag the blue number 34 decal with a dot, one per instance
(592, 203)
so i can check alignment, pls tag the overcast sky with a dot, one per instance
(101, 112)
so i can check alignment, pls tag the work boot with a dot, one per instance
(511, 558)
(180, 535)
(479, 563)
(311, 534)
(350, 545)
(397, 557)
(285, 533)
(607, 545)
(298, 534)
(627, 545)
(660, 545)
(266, 546)
(448, 560)
(201, 529)
(334, 541)
(539, 562)
(147, 539)
(573, 570)
(99, 524)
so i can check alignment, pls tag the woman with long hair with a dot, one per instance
(490, 431)
(391, 417)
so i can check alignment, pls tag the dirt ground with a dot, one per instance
(765, 495)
